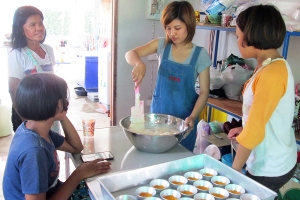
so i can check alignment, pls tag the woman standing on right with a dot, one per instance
(266, 141)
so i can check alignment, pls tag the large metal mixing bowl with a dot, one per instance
(155, 143)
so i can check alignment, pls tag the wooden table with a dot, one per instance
(216, 141)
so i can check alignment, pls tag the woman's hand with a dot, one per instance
(234, 132)
(138, 73)
(92, 168)
(189, 122)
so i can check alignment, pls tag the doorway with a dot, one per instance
(73, 27)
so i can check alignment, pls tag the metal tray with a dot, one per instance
(127, 182)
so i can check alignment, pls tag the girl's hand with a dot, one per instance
(92, 168)
(138, 73)
(234, 132)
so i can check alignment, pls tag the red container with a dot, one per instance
(298, 157)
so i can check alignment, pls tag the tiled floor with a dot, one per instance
(79, 107)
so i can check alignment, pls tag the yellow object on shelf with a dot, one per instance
(216, 115)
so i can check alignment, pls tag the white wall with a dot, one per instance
(134, 30)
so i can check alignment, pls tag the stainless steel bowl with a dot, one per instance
(155, 143)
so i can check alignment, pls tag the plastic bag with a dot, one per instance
(235, 76)
(286, 7)
(216, 127)
(200, 143)
(216, 79)
(232, 91)
(213, 7)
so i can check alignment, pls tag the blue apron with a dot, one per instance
(175, 93)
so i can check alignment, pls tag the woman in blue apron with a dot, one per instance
(180, 64)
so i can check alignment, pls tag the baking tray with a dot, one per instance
(116, 184)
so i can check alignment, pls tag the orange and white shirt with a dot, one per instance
(268, 110)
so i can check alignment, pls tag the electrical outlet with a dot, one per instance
(154, 8)
(152, 57)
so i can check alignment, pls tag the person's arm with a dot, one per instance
(133, 58)
(85, 170)
(204, 80)
(72, 143)
(242, 154)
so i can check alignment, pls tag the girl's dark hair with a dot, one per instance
(183, 11)
(20, 17)
(38, 95)
(263, 27)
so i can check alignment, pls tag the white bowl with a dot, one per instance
(157, 184)
(187, 190)
(185, 198)
(145, 190)
(216, 191)
(126, 197)
(203, 185)
(177, 180)
(220, 181)
(249, 197)
(208, 173)
(192, 177)
(206, 196)
(233, 189)
(170, 192)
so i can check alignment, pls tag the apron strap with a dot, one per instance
(167, 51)
(193, 59)
(195, 56)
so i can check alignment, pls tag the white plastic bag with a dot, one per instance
(200, 143)
(235, 76)
(232, 91)
(216, 79)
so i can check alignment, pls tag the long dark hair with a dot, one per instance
(21, 15)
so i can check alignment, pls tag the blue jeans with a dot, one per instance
(273, 183)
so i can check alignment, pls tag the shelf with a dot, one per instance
(214, 27)
(229, 106)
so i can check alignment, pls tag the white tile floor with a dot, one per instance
(79, 106)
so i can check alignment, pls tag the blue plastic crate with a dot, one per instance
(91, 74)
